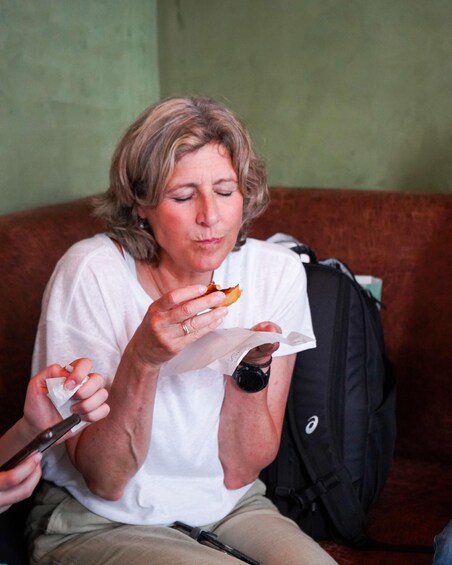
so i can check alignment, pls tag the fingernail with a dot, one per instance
(69, 384)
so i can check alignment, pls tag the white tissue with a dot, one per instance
(233, 343)
(61, 397)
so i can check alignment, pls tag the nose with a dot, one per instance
(208, 213)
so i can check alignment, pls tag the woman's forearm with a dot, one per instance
(109, 452)
(251, 424)
(248, 438)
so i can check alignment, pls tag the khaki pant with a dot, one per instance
(62, 531)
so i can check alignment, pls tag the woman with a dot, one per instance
(184, 185)
(39, 414)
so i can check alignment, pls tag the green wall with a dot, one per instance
(336, 93)
(73, 75)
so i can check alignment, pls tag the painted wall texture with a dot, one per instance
(73, 75)
(336, 94)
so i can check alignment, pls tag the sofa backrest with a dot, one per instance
(402, 238)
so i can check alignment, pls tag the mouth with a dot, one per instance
(211, 241)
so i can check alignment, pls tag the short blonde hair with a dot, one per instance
(146, 155)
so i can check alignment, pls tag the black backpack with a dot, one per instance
(340, 424)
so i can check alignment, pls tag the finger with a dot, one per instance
(22, 490)
(206, 302)
(97, 414)
(88, 388)
(54, 370)
(267, 327)
(190, 317)
(261, 354)
(93, 402)
(80, 369)
(189, 301)
(49, 372)
(16, 476)
(202, 323)
(267, 348)
(174, 298)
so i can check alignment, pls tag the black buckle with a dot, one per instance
(305, 497)
(211, 540)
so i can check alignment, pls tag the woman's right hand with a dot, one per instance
(158, 338)
(19, 483)
(175, 320)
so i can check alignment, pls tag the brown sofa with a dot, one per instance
(403, 238)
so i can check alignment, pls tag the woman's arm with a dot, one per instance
(251, 423)
(110, 452)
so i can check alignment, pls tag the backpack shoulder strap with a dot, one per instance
(331, 483)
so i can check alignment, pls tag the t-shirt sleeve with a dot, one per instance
(76, 321)
(274, 289)
(291, 305)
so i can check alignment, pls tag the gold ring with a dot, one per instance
(185, 328)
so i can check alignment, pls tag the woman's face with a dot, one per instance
(198, 220)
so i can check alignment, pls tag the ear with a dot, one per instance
(141, 212)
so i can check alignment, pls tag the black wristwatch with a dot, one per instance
(251, 378)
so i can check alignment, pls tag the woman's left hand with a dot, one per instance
(262, 353)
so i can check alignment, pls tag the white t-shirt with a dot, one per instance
(92, 307)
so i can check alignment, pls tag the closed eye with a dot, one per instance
(181, 194)
(225, 187)
(182, 198)
(225, 193)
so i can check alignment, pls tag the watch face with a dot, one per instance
(250, 378)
